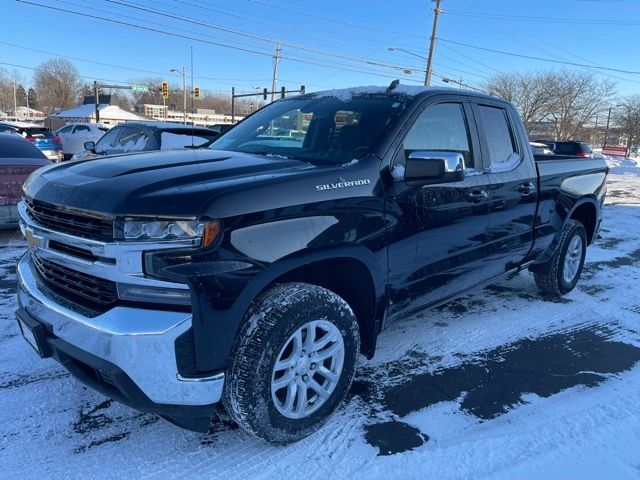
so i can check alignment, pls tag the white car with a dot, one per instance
(74, 136)
(540, 148)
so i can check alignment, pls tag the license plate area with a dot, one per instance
(34, 333)
(28, 335)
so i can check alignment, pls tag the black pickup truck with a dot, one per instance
(254, 271)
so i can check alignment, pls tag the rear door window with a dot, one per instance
(501, 145)
(135, 140)
(109, 141)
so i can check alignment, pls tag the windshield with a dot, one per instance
(323, 130)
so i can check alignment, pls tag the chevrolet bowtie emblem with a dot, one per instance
(32, 240)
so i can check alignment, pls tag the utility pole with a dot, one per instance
(15, 99)
(96, 100)
(184, 94)
(276, 61)
(606, 130)
(192, 93)
(432, 46)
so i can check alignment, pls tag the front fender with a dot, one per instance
(224, 298)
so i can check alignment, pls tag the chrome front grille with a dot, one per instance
(66, 221)
(78, 284)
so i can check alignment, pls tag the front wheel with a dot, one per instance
(293, 362)
(560, 275)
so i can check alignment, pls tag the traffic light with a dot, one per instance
(196, 93)
(264, 93)
(164, 91)
(302, 89)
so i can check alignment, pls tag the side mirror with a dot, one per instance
(91, 146)
(434, 167)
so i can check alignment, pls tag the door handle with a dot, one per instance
(477, 196)
(527, 188)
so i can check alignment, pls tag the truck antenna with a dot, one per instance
(393, 85)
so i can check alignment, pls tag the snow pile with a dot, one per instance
(624, 166)
(347, 94)
(176, 141)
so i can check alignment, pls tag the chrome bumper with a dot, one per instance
(139, 341)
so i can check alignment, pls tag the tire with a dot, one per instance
(270, 333)
(559, 276)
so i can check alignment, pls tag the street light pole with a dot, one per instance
(606, 130)
(183, 72)
(432, 45)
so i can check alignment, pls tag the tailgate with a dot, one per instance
(11, 180)
(46, 144)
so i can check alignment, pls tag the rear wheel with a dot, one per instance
(293, 362)
(560, 274)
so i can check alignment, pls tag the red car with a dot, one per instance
(18, 159)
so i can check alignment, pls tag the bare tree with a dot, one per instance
(6, 91)
(577, 99)
(569, 100)
(57, 84)
(530, 93)
(627, 119)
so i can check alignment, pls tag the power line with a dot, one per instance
(537, 58)
(124, 67)
(189, 37)
(513, 36)
(528, 18)
(81, 76)
(334, 20)
(470, 58)
(119, 14)
(84, 59)
(271, 23)
(251, 35)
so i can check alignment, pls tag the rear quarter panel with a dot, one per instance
(564, 185)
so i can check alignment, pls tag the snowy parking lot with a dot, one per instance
(500, 383)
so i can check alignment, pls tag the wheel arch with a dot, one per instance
(338, 271)
(586, 212)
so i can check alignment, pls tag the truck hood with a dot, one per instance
(157, 183)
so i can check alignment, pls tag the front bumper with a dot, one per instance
(126, 353)
(9, 216)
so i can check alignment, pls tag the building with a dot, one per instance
(23, 114)
(109, 115)
(203, 116)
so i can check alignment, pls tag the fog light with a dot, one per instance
(143, 293)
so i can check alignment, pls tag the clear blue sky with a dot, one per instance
(348, 32)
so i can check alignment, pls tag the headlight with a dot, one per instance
(134, 229)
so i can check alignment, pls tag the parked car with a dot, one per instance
(75, 135)
(18, 159)
(571, 148)
(134, 137)
(43, 138)
(255, 271)
(540, 148)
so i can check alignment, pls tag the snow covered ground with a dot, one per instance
(501, 383)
